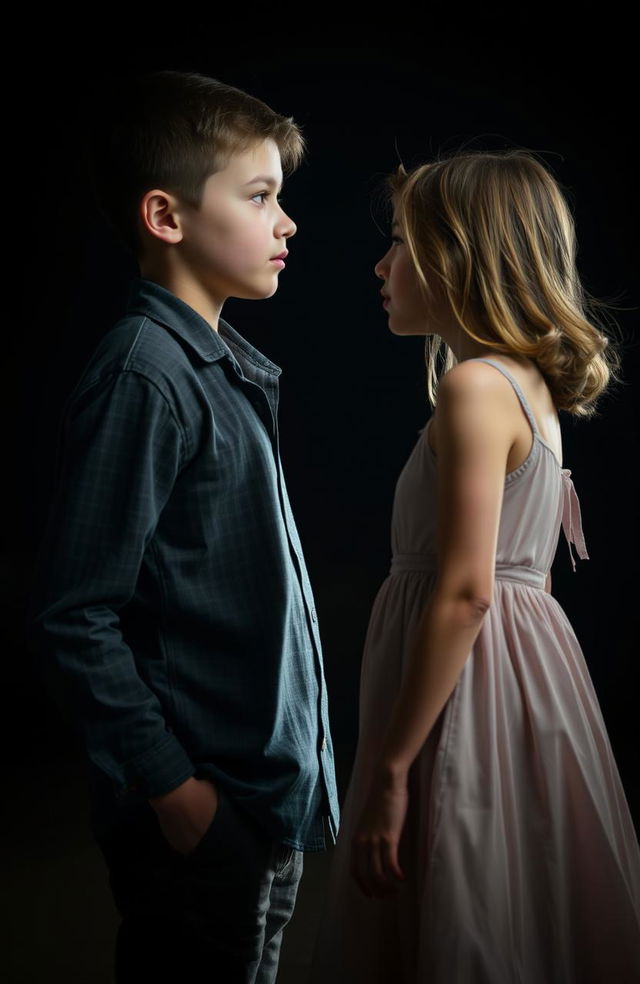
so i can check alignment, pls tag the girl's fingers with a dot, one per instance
(396, 869)
(378, 878)
(393, 872)
(375, 867)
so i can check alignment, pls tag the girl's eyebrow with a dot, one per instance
(395, 225)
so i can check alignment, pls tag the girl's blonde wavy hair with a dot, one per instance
(496, 233)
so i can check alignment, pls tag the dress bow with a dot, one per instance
(572, 519)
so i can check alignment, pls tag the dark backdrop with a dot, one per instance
(352, 393)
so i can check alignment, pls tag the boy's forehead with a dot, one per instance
(260, 162)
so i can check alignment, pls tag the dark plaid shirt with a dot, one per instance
(171, 609)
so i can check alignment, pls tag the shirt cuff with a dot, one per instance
(157, 771)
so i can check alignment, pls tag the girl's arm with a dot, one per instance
(474, 435)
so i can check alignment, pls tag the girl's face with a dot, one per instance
(408, 312)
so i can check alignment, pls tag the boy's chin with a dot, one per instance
(257, 293)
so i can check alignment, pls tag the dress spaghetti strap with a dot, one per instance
(517, 388)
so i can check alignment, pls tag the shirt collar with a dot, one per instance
(166, 308)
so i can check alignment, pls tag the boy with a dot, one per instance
(171, 609)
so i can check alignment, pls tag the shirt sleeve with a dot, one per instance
(120, 452)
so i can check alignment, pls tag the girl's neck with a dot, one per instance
(464, 347)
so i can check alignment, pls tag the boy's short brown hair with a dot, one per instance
(171, 130)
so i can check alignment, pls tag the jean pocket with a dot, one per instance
(283, 855)
(211, 831)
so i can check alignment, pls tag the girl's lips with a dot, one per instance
(280, 263)
(385, 302)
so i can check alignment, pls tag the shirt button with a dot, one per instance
(313, 615)
(324, 744)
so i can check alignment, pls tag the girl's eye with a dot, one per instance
(396, 239)
(265, 194)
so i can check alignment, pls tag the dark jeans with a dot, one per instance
(214, 915)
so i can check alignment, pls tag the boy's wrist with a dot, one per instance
(175, 798)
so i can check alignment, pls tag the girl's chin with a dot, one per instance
(407, 330)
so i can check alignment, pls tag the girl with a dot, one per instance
(485, 836)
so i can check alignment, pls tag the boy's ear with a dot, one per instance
(158, 216)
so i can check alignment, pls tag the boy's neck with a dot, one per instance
(189, 291)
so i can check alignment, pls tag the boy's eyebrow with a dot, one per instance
(267, 179)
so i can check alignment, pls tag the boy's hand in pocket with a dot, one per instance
(186, 813)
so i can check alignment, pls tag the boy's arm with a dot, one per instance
(121, 453)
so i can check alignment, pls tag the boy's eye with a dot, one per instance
(265, 194)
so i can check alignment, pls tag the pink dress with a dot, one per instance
(521, 861)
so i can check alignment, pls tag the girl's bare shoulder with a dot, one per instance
(470, 382)
(466, 391)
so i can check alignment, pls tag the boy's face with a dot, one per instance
(230, 241)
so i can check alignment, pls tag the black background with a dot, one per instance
(352, 394)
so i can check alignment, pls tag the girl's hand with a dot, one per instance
(374, 845)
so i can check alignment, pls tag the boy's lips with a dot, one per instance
(281, 256)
